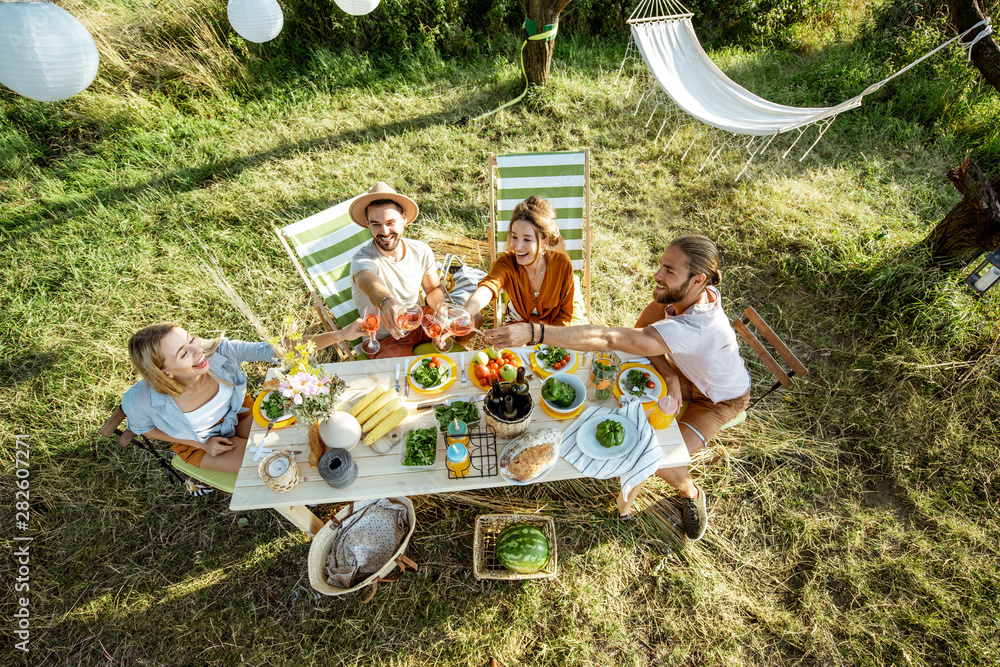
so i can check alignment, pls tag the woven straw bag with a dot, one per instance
(323, 542)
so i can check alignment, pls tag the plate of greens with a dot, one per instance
(419, 450)
(432, 373)
(548, 359)
(641, 381)
(463, 411)
(271, 404)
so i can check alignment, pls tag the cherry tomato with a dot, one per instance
(647, 375)
(482, 372)
(566, 359)
(437, 360)
(558, 365)
(433, 364)
(650, 385)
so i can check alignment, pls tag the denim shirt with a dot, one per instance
(147, 409)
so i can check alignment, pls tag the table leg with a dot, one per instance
(302, 517)
(625, 503)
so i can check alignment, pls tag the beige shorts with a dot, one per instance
(706, 418)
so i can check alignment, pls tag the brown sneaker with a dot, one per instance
(695, 515)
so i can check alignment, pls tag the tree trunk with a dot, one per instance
(972, 227)
(985, 54)
(537, 53)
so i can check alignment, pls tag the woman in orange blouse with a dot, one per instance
(537, 277)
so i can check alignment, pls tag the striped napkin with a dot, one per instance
(631, 469)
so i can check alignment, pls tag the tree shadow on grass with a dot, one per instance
(16, 225)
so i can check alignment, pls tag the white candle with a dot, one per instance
(277, 467)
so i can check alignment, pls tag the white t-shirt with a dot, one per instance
(204, 419)
(704, 348)
(403, 278)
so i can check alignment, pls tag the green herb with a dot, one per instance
(430, 377)
(421, 447)
(463, 411)
(273, 406)
(610, 433)
(635, 382)
(560, 394)
(550, 355)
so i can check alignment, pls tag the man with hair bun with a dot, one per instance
(688, 339)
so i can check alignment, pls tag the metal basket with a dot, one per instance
(485, 564)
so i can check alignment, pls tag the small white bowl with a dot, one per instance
(573, 381)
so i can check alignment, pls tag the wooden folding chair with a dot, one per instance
(177, 470)
(563, 178)
(783, 378)
(321, 248)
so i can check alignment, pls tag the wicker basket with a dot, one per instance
(485, 564)
(506, 428)
(323, 542)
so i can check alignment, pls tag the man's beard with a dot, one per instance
(390, 246)
(669, 296)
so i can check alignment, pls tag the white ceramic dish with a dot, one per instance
(586, 438)
(511, 446)
(573, 381)
(437, 447)
(649, 394)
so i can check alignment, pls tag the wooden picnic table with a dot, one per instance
(380, 475)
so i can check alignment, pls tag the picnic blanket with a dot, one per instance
(632, 468)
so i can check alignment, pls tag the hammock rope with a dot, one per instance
(664, 36)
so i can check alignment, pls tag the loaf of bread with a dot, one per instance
(532, 454)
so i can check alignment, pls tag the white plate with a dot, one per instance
(650, 394)
(544, 471)
(586, 438)
(569, 364)
(287, 415)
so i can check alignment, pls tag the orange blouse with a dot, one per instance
(555, 298)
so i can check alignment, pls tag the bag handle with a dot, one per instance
(402, 561)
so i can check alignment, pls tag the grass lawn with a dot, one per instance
(853, 519)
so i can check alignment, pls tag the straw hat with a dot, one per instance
(382, 191)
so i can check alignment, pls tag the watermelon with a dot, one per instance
(522, 548)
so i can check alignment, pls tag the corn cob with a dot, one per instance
(375, 406)
(376, 391)
(387, 425)
(386, 410)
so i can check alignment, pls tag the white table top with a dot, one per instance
(380, 475)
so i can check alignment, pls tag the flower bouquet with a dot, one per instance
(310, 395)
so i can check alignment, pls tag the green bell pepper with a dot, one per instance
(560, 394)
(610, 433)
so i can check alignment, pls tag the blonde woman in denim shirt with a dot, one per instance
(193, 391)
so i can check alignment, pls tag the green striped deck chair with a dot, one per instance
(321, 247)
(563, 178)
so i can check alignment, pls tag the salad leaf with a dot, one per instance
(465, 411)
(560, 394)
(421, 446)
(273, 406)
(550, 355)
(635, 382)
(430, 377)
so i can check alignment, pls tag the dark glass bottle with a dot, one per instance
(508, 407)
(496, 399)
(521, 383)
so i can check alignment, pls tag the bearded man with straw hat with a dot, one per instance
(391, 271)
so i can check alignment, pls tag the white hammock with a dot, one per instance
(674, 56)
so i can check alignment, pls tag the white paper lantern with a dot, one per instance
(255, 20)
(357, 7)
(45, 52)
